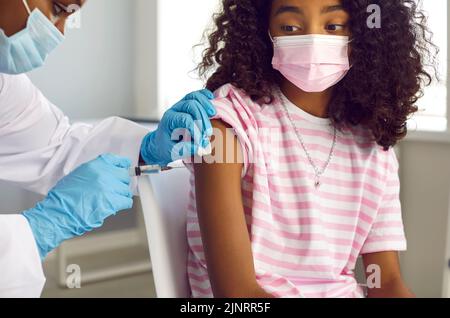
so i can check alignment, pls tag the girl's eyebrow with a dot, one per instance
(334, 8)
(292, 9)
(297, 10)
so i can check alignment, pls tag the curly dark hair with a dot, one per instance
(380, 91)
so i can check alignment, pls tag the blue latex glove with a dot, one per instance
(81, 202)
(192, 113)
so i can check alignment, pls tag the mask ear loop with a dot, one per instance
(270, 36)
(25, 3)
(348, 44)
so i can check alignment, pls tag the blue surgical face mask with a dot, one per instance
(29, 48)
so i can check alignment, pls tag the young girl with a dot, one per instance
(317, 98)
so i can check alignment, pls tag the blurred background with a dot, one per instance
(134, 58)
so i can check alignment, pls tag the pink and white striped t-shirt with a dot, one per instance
(305, 240)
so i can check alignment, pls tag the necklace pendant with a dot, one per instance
(317, 184)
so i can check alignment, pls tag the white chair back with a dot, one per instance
(165, 200)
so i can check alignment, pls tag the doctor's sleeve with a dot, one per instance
(39, 145)
(387, 232)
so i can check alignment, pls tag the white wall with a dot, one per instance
(146, 58)
(165, 57)
(425, 185)
(178, 32)
(92, 74)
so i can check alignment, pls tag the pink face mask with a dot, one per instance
(314, 62)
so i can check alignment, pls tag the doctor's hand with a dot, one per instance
(190, 116)
(81, 202)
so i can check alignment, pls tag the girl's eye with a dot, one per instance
(335, 27)
(290, 28)
(56, 10)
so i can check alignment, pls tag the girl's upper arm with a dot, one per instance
(387, 262)
(223, 226)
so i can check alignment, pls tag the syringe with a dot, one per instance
(146, 170)
(155, 169)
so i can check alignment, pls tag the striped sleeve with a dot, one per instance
(387, 233)
(235, 109)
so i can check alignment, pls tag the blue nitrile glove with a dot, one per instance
(81, 202)
(193, 114)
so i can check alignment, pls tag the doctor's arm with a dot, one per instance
(40, 146)
(225, 236)
(77, 204)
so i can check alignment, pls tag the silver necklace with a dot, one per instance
(317, 172)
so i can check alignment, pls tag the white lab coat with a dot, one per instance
(38, 147)
(21, 272)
